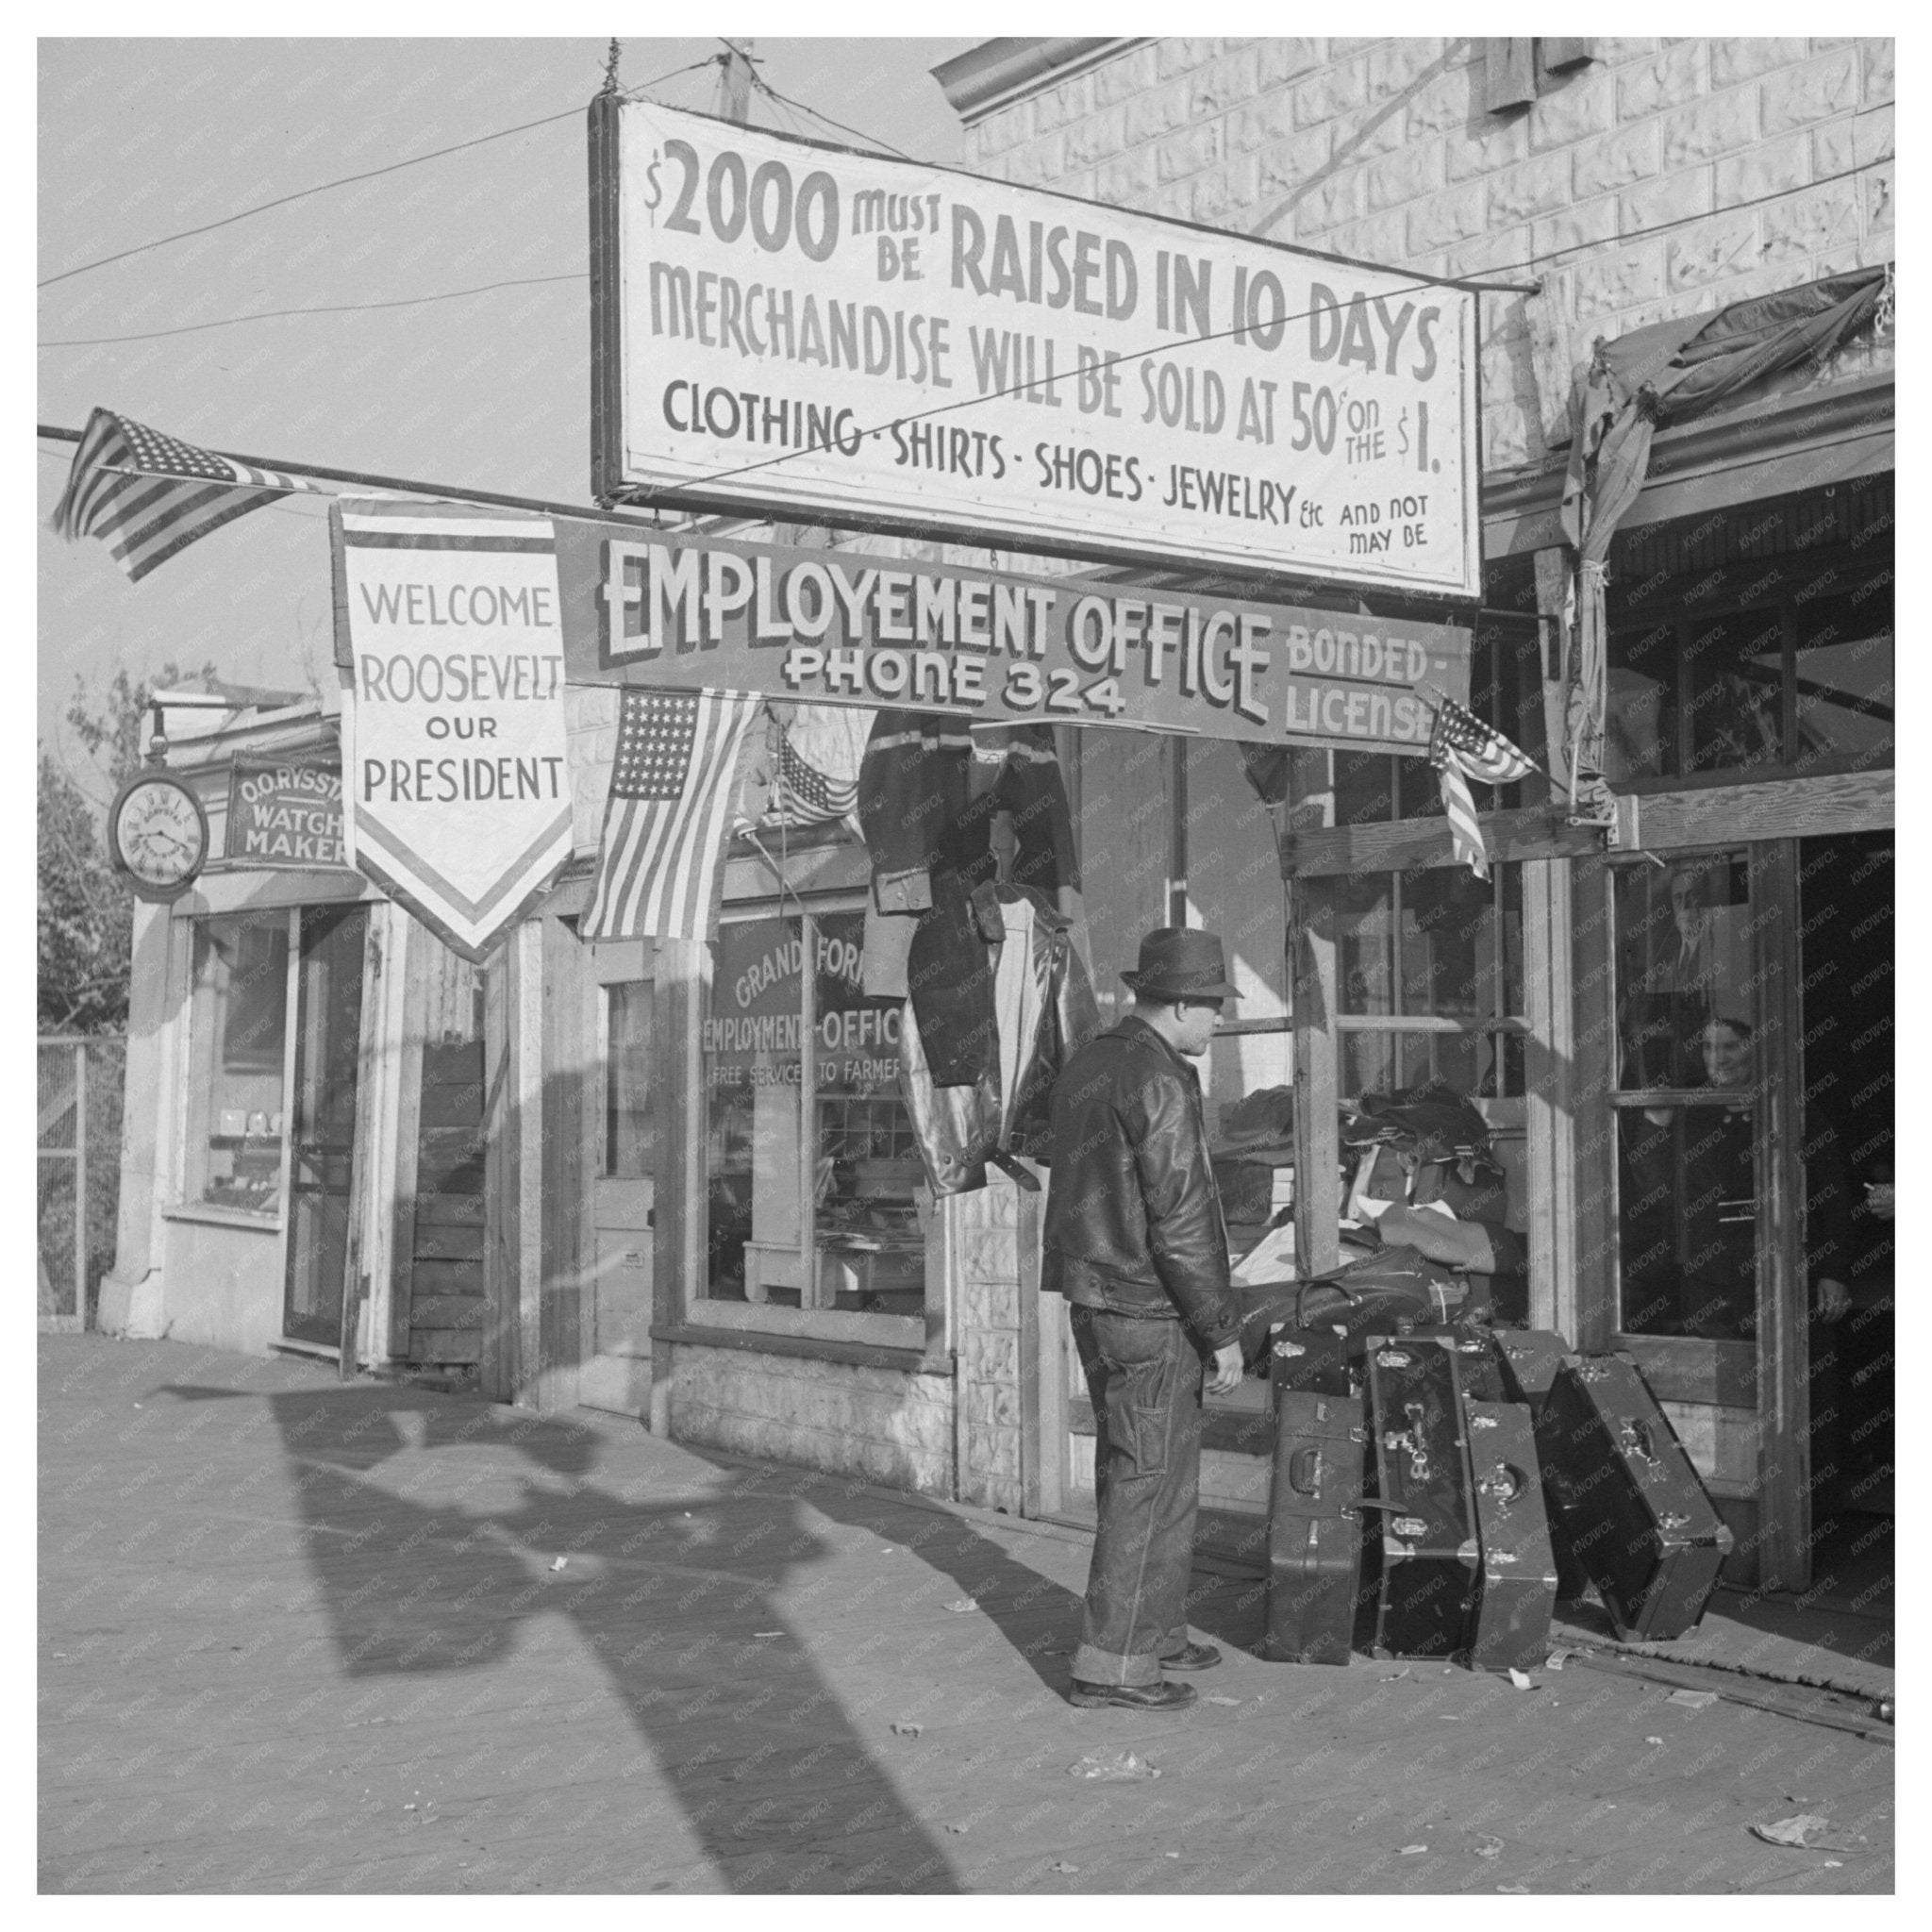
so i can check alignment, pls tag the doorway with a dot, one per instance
(617, 1361)
(321, 1150)
(1846, 887)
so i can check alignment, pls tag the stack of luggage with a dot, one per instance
(1437, 1485)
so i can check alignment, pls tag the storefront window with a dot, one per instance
(1442, 948)
(1800, 683)
(1686, 1193)
(1843, 677)
(237, 1097)
(813, 1161)
(627, 1080)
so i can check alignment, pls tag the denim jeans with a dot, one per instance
(1146, 1376)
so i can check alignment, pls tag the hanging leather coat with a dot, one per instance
(1039, 1007)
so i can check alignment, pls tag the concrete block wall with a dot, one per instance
(876, 1424)
(982, 1232)
(1634, 184)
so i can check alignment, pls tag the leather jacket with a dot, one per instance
(1133, 1218)
(1038, 1016)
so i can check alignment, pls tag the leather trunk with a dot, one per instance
(1529, 1359)
(1515, 1586)
(1423, 1540)
(1314, 1527)
(1626, 1500)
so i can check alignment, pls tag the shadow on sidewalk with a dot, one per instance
(1030, 1613)
(769, 1773)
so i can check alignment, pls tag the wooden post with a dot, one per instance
(1784, 1401)
(734, 85)
(415, 945)
(681, 1259)
(1317, 1056)
(525, 947)
(1312, 1008)
(569, 1083)
(1549, 1104)
(80, 1184)
(807, 1112)
(496, 1369)
(364, 1156)
(1592, 1317)
(388, 1108)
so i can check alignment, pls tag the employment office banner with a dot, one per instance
(826, 626)
(801, 328)
(449, 633)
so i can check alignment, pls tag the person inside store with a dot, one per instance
(1134, 1240)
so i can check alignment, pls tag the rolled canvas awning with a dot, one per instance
(1729, 408)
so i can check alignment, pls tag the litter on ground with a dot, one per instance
(1112, 1767)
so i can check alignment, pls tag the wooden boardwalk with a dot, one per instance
(297, 1637)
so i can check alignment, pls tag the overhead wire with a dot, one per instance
(315, 309)
(348, 180)
(764, 87)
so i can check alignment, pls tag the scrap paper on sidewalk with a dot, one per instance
(449, 636)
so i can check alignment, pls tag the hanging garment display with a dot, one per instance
(1030, 1005)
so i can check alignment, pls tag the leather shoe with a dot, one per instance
(1197, 1657)
(1133, 1696)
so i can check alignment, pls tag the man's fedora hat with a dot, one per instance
(1181, 964)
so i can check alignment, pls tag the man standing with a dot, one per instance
(1134, 1240)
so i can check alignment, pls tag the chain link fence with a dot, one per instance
(78, 1152)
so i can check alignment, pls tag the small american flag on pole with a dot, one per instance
(819, 753)
(670, 814)
(1462, 747)
(148, 495)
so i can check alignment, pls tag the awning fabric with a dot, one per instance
(1668, 373)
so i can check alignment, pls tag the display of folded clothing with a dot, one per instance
(1258, 1127)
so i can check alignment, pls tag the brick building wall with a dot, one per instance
(1384, 150)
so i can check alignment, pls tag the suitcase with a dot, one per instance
(1479, 1359)
(1516, 1586)
(1423, 1540)
(1625, 1499)
(1314, 1527)
(1314, 1361)
(1529, 1358)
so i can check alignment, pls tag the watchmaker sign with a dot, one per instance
(830, 627)
(284, 815)
(790, 327)
(448, 631)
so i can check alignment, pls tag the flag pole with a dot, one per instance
(407, 486)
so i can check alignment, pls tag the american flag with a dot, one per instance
(1462, 747)
(148, 495)
(670, 812)
(819, 754)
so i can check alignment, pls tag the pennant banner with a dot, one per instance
(449, 636)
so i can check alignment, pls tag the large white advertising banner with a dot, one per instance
(794, 328)
(449, 635)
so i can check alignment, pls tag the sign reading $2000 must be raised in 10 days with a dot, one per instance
(787, 326)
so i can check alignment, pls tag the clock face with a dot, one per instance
(158, 834)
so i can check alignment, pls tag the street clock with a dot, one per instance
(157, 834)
